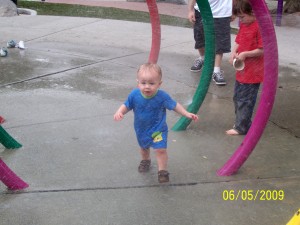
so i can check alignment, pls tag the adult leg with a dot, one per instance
(223, 45)
(222, 35)
(218, 60)
(201, 52)
(199, 43)
(218, 74)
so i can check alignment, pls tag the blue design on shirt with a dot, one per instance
(150, 116)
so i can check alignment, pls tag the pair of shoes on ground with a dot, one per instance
(163, 175)
(218, 77)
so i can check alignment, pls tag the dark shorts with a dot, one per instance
(222, 32)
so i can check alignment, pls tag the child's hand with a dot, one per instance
(234, 55)
(179, 109)
(118, 116)
(192, 116)
(242, 56)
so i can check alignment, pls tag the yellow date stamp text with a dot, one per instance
(253, 195)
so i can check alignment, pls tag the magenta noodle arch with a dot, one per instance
(156, 31)
(7, 176)
(10, 179)
(268, 91)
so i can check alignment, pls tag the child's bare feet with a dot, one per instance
(232, 132)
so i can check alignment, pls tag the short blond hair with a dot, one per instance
(152, 67)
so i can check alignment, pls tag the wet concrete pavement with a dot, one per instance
(58, 97)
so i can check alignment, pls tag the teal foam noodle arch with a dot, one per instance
(205, 80)
(8, 141)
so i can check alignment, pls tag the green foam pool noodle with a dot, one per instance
(8, 141)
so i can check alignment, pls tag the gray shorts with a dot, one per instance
(222, 33)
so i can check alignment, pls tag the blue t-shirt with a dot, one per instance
(150, 117)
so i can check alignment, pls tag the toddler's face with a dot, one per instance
(148, 82)
(246, 18)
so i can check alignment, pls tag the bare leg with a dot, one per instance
(146, 161)
(145, 153)
(218, 60)
(162, 159)
(201, 51)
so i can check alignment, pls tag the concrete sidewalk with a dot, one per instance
(58, 97)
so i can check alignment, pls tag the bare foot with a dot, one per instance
(232, 132)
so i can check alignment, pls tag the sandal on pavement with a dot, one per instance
(163, 176)
(144, 166)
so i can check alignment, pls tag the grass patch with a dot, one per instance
(54, 9)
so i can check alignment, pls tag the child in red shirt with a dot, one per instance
(249, 49)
